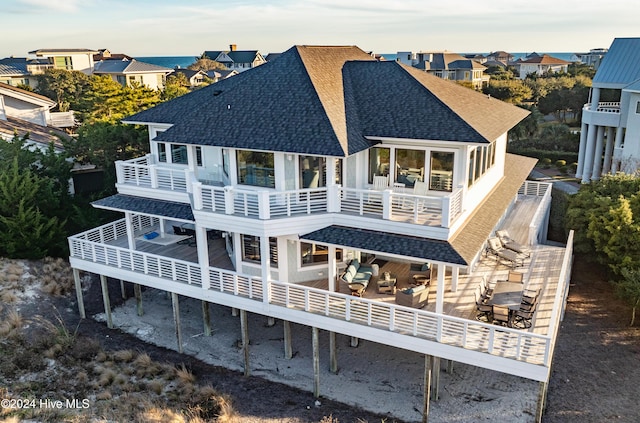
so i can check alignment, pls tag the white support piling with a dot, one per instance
(333, 356)
(106, 301)
(244, 328)
(288, 352)
(206, 318)
(137, 292)
(316, 361)
(78, 284)
(176, 318)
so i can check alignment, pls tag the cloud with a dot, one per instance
(67, 6)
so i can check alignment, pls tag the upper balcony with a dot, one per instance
(604, 114)
(141, 177)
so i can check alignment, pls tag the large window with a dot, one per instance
(481, 159)
(177, 153)
(409, 166)
(225, 161)
(379, 162)
(313, 254)
(313, 172)
(251, 250)
(255, 168)
(441, 175)
(61, 62)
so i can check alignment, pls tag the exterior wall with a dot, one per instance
(23, 110)
(631, 150)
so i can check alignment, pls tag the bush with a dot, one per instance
(560, 163)
(569, 157)
(564, 170)
(573, 166)
(546, 163)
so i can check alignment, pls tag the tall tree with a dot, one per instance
(205, 64)
(65, 87)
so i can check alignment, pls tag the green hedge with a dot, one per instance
(554, 156)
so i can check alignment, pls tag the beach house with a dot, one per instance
(354, 196)
(611, 126)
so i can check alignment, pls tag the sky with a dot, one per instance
(189, 27)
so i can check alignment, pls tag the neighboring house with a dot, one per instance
(593, 58)
(610, 132)
(272, 56)
(130, 72)
(23, 112)
(238, 60)
(194, 77)
(449, 66)
(79, 59)
(35, 108)
(325, 165)
(501, 56)
(220, 74)
(540, 65)
(105, 54)
(20, 70)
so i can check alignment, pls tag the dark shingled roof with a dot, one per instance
(385, 242)
(121, 202)
(325, 101)
(37, 133)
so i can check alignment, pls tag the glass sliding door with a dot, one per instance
(441, 172)
(379, 162)
(409, 166)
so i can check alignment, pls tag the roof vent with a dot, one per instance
(217, 92)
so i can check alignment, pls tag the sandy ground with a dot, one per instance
(375, 377)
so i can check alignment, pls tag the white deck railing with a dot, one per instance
(143, 173)
(605, 107)
(537, 189)
(464, 333)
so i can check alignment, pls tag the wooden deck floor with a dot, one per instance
(541, 271)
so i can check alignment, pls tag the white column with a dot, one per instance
(130, 232)
(588, 158)
(595, 98)
(608, 151)
(265, 266)
(203, 254)
(597, 158)
(582, 150)
(618, 143)
(440, 289)
(332, 268)
(192, 159)
(455, 272)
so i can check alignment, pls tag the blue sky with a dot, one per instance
(188, 27)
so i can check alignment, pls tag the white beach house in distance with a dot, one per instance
(350, 195)
(610, 133)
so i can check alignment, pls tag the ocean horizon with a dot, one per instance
(184, 61)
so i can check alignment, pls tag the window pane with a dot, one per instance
(162, 152)
(199, 156)
(313, 172)
(472, 167)
(378, 162)
(312, 254)
(225, 161)
(441, 171)
(409, 166)
(338, 174)
(179, 154)
(250, 248)
(255, 168)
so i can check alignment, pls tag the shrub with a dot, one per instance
(560, 163)
(546, 163)
(564, 170)
(574, 167)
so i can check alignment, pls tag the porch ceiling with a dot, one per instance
(148, 206)
(385, 242)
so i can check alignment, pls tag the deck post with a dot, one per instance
(455, 273)
(542, 400)
(105, 300)
(78, 283)
(354, 342)
(316, 362)
(440, 289)
(206, 318)
(271, 321)
(244, 328)
(288, 352)
(450, 366)
(176, 319)
(435, 378)
(333, 357)
(427, 388)
(234, 312)
(202, 243)
(137, 292)
(123, 291)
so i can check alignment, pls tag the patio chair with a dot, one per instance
(495, 248)
(530, 296)
(419, 188)
(483, 310)
(486, 289)
(522, 319)
(501, 315)
(514, 277)
(179, 230)
(380, 183)
(511, 244)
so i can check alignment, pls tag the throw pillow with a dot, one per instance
(425, 267)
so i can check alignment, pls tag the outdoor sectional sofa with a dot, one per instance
(357, 273)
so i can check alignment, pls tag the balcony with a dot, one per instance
(141, 177)
(605, 114)
(453, 334)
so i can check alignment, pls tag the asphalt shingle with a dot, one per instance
(148, 206)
